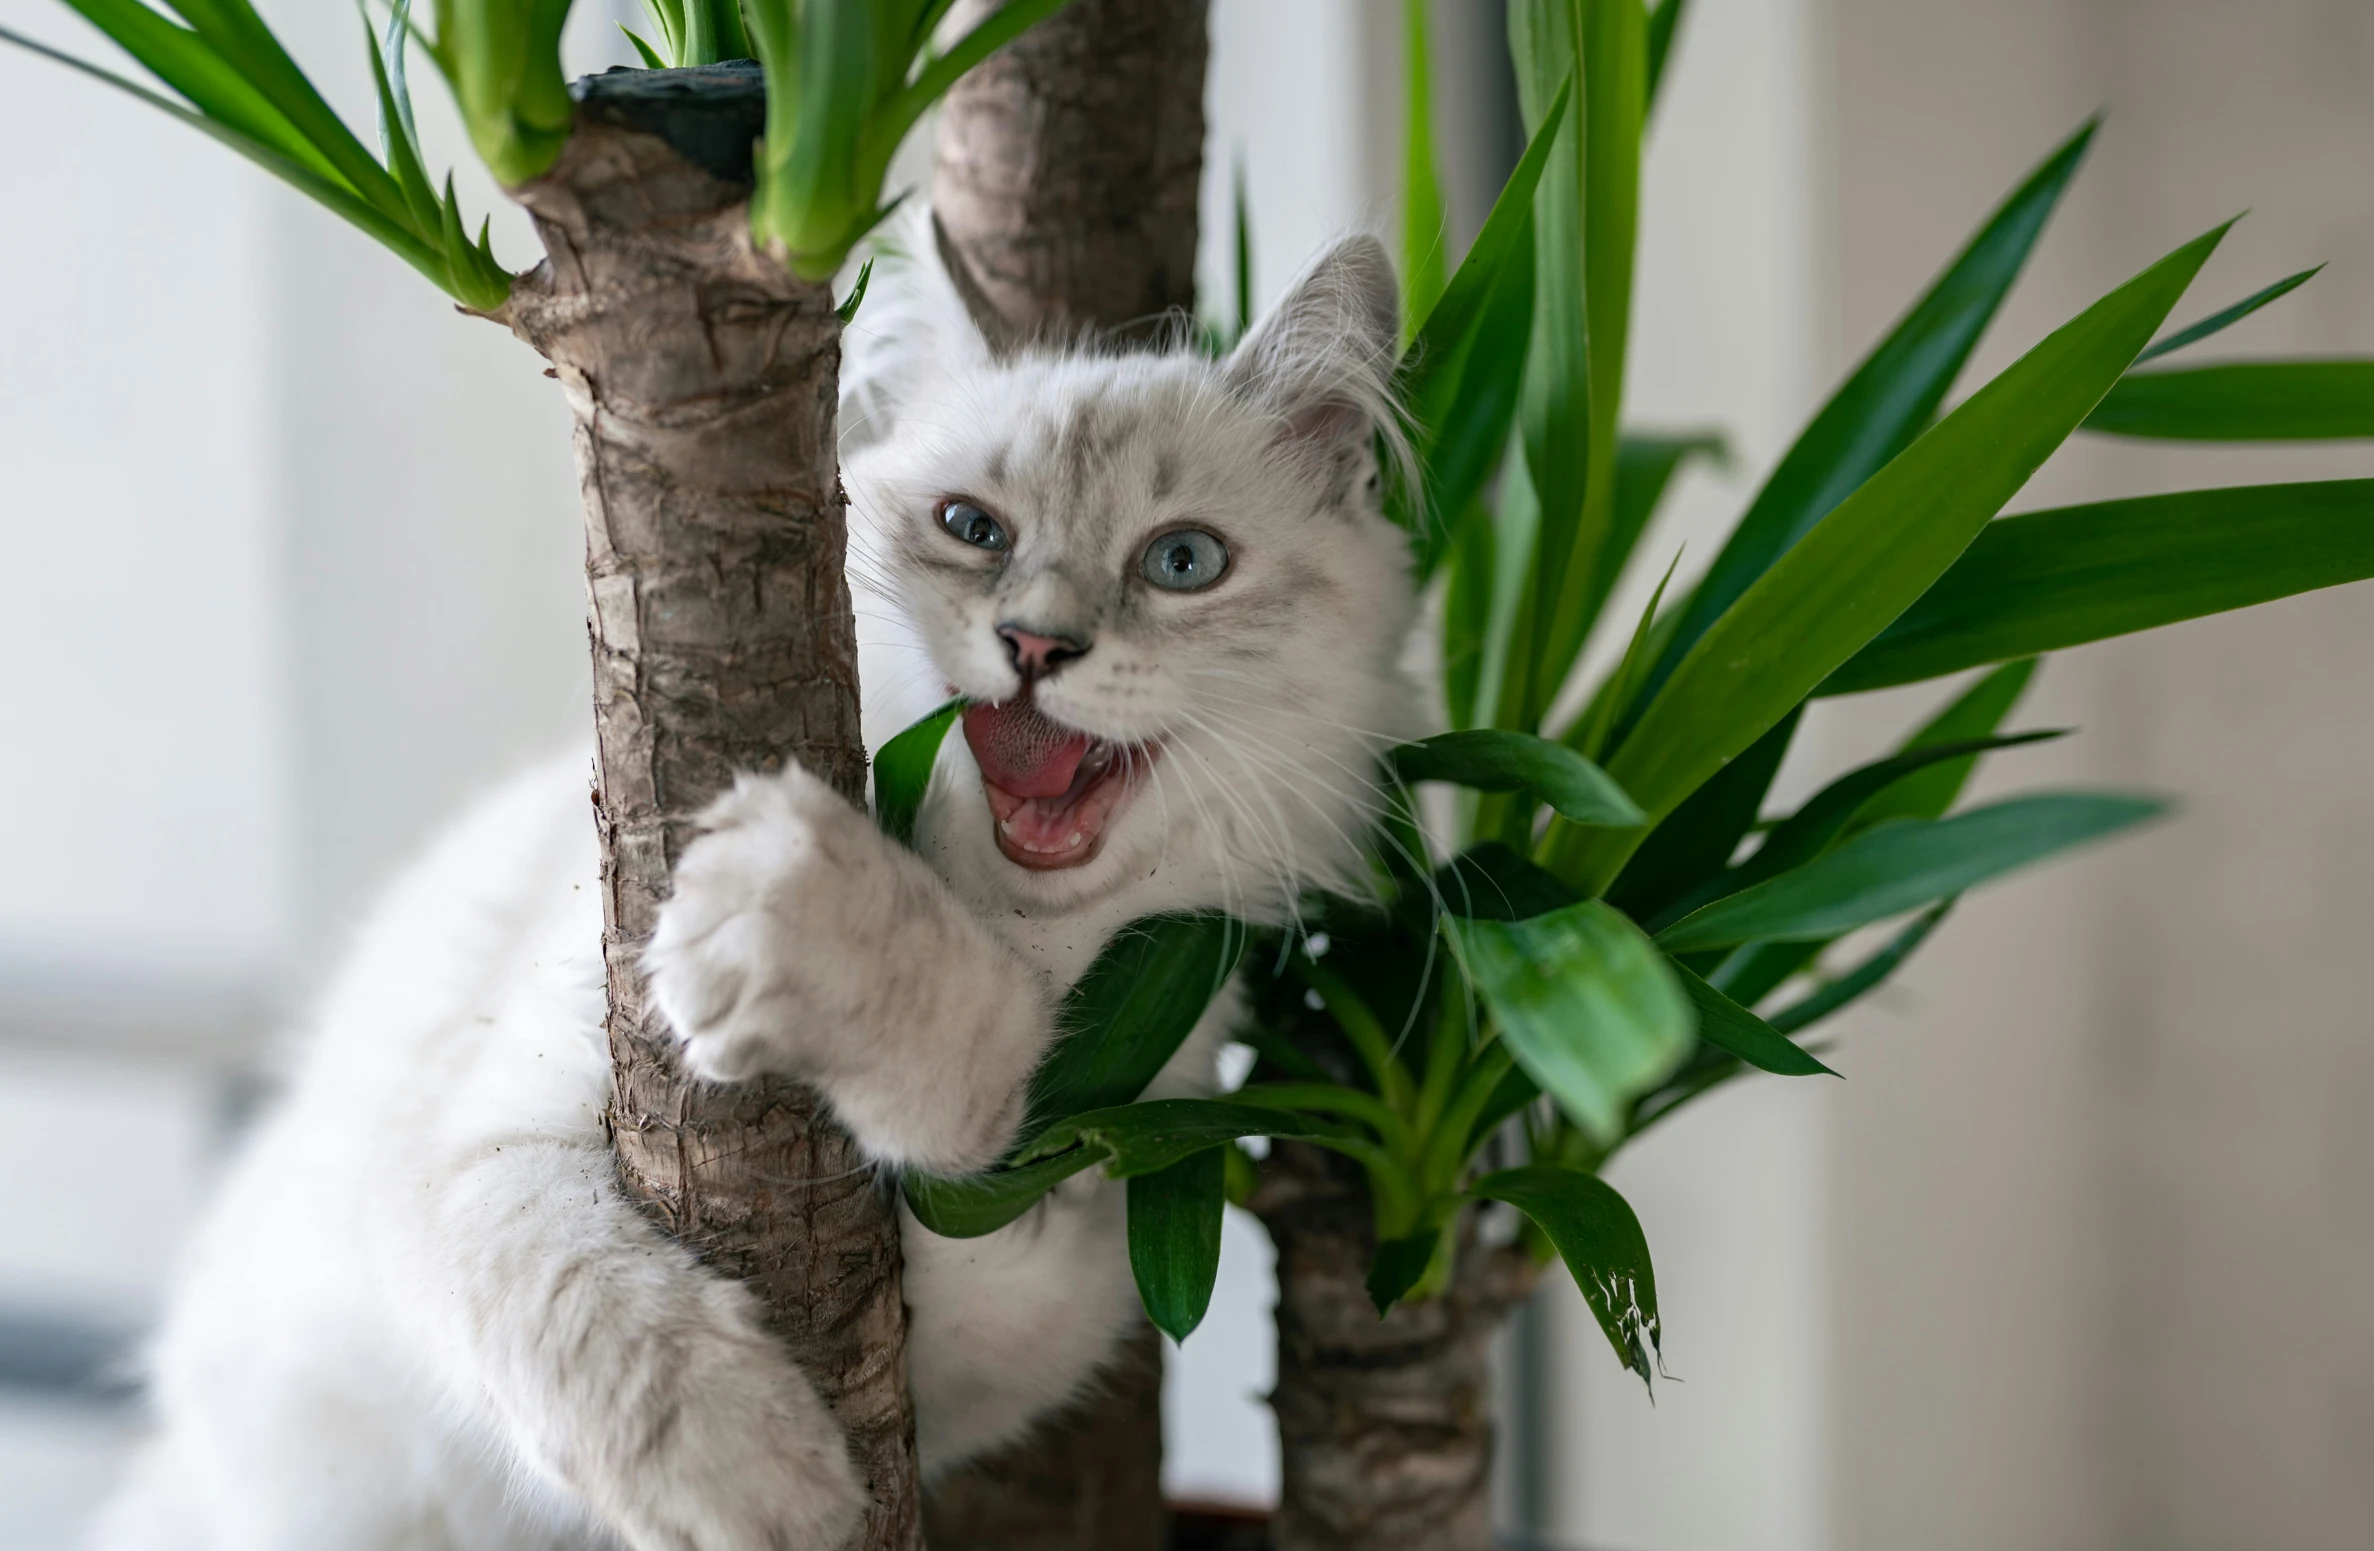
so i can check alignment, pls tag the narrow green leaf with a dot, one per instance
(1878, 551)
(1463, 417)
(1589, 734)
(1827, 815)
(1174, 1238)
(2243, 401)
(1975, 713)
(1490, 882)
(1506, 229)
(1727, 1026)
(2217, 322)
(1495, 760)
(1664, 22)
(2053, 579)
(1149, 1137)
(1585, 1004)
(1695, 841)
(1904, 866)
(1865, 977)
(1599, 1238)
(651, 59)
(902, 771)
(1243, 205)
(1881, 409)
(847, 311)
(1646, 462)
(1424, 227)
(1400, 1265)
(1132, 1010)
(976, 1204)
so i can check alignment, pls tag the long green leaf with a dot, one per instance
(1881, 409)
(1599, 1238)
(1664, 22)
(1877, 552)
(1905, 866)
(2243, 401)
(1694, 843)
(1833, 995)
(1975, 713)
(1587, 1007)
(1424, 228)
(976, 1204)
(2060, 578)
(2226, 318)
(1496, 760)
(1132, 1010)
(1174, 1239)
(1727, 1026)
(1582, 550)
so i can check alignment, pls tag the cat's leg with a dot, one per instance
(618, 1367)
(802, 941)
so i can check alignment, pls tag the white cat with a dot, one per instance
(423, 1316)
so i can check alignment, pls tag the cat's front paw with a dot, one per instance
(762, 955)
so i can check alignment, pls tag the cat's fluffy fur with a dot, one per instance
(422, 1315)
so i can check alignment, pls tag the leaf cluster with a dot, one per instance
(1611, 925)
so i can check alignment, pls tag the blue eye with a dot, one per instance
(973, 525)
(1185, 560)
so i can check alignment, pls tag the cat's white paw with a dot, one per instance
(803, 942)
(755, 963)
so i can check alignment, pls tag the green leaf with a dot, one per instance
(1174, 1238)
(1646, 462)
(1424, 228)
(2059, 578)
(1827, 815)
(1129, 1140)
(1832, 995)
(2243, 401)
(1727, 1026)
(1494, 760)
(1149, 1137)
(1599, 1238)
(902, 772)
(1695, 841)
(1904, 866)
(2218, 321)
(968, 1207)
(1243, 205)
(1400, 1265)
(1132, 1010)
(1490, 882)
(847, 311)
(1460, 373)
(1664, 22)
(1975, 713)
(1877, 552)
(651, 59)
(1586, 1005)
(1888, 402)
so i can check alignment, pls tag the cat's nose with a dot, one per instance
(1038, 656)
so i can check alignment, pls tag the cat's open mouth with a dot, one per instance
(1051, 789)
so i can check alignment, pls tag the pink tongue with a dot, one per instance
(1021, 752)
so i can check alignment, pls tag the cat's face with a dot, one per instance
(1165, 586)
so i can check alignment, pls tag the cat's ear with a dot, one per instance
(1322, 361)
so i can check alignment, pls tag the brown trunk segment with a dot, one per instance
(1064, 185)
(704, 381)
(1385, 1425)
(1067, 170)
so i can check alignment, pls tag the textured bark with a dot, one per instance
(1068, 167)
(1064, 187)
(1385, 1425)
(704, 378)
(1089, 1479)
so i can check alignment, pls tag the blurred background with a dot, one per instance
(2075, 1258)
